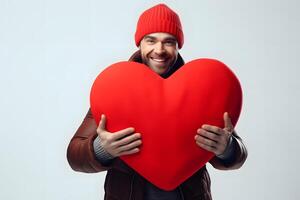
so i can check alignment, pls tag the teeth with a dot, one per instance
(158, 60)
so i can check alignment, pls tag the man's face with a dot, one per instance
(159, 51)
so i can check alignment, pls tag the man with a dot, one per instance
(92, 149)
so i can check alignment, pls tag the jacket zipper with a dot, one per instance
(181, 193)
(131, 187)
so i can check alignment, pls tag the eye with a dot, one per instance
(150, 41)
(170, 43)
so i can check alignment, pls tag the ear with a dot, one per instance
(177, 48)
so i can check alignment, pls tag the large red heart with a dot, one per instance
(167, 113)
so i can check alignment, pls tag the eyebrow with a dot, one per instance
(154, 38)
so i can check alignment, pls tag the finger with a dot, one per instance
(209, 135)
(102, 123)
(227, 122)
(127, 139)
(131, 151)
(206, 147)
(214, 129)
(130, 146)
(205, 141)
(122, 133)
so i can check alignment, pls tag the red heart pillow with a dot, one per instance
(167, 113)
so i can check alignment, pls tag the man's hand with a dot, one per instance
(123, 142)
(213, 138)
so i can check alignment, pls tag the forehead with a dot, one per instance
(160, 36)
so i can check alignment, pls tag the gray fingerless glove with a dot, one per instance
(101, 154)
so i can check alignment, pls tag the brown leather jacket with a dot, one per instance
(123, 183)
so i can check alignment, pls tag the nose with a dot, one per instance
(159, 48)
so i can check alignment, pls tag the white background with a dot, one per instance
(51, 51)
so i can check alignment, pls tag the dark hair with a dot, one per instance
(136, 57)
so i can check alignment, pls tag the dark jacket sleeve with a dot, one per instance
(80, 152)
(236, 160)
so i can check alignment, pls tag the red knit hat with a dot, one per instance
(159, 18)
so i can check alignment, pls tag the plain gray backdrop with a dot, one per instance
(52, 50)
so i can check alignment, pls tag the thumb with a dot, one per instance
(102, 123)
(227, 122)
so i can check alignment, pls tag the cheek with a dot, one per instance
(174, 55)
(144, 54)
(173, 52)
(145, 49)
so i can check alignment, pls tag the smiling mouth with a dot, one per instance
(159, 60)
